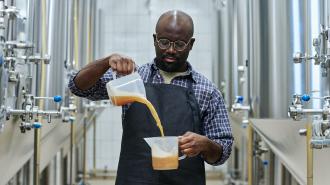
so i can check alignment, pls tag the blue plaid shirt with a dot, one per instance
(213, 111)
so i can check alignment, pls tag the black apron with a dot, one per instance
(178, 111)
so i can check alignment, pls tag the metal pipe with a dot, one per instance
(89, 59)
(239, 107)
(37, 132)
(312, 111)
(307, 44)
(76, 35)
(327, 12)
(271, 168)
(320, 143)
(72, 138)
(36, 112)
(250, 154)
(283, 176)
(36, 159)
(84, 150)
(309, 155)
(94, 144)
(76, 65)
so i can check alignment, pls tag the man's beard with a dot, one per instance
(169, 66)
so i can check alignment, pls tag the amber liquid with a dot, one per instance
(165, 163)
(122, 100)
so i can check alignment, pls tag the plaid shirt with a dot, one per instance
(213, 111)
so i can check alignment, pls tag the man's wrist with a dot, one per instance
(211, 151)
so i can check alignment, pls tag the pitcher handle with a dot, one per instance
(182, 157)
(114, 75)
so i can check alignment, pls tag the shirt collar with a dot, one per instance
(190, 70)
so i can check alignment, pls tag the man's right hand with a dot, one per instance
(121, 64)
(91, 73)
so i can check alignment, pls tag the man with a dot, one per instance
(188, 104)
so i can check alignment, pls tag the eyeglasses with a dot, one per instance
(178, 45)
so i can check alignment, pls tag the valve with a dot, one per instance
(57, 99)
(245, 123)
(265, 162)
(36, 58)
(13, 76)
(319, 143)
(298, 57)
(10, 45)
(37, 125)
(321, 134)
(11, 11)
(303, 132)
(260, 148)
(301, 57)
(296, 111)
(31, 112)
(322, 56)
(238, 105)
(24, 126)
(305, 97)
(320, 125)
(239, 99)
(68, 112)
(11, 57)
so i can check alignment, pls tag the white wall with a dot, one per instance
(126, 27)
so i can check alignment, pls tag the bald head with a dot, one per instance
(175, 20)
(174, 31)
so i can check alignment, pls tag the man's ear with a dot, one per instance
(192, 41)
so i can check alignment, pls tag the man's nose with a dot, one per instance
(171, 49)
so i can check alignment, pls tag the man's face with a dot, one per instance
(170, 59)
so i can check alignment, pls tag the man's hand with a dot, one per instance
(92, 72)
(192, 144)
(121, 64)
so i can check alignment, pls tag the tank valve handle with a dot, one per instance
(28, 126)
(37, 125)
(239, 99)
(57, 99)
(305, 97)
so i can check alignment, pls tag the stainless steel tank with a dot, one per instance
(50, 27)
(265, 34)
(275, 35)
(278, 30)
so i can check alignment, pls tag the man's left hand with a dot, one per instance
(192, 144)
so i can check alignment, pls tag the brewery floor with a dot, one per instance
(212, 178)
(112, 182)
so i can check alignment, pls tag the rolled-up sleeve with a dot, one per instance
(96, 92)
(217, 126)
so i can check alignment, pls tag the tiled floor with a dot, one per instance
(112, 182)
(108, 178)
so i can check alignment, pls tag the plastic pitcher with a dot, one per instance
(126, 89)
(164, 152)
